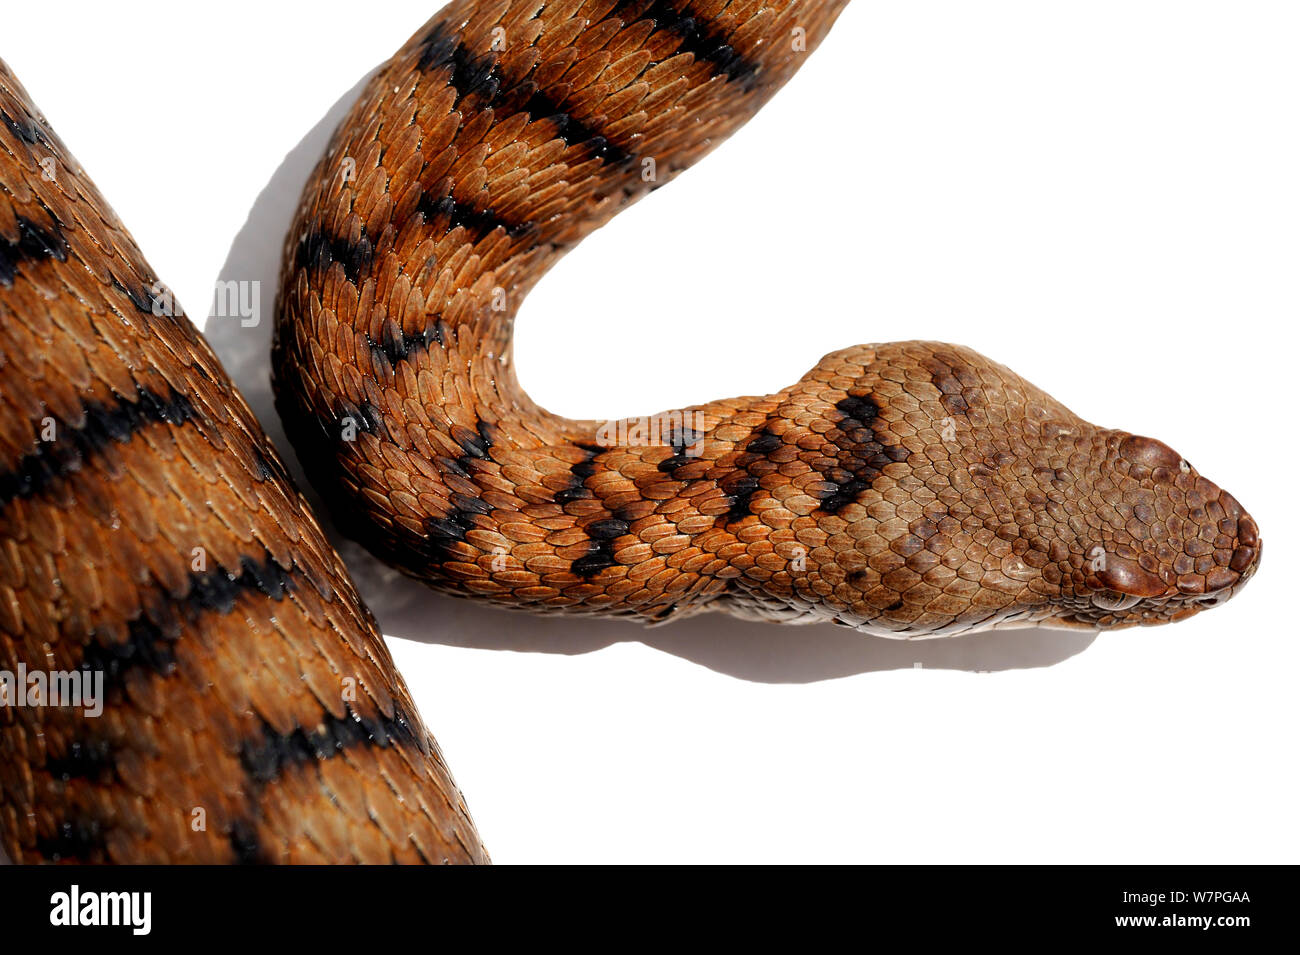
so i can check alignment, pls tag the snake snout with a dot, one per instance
(1226, 552)
(1178, 543)
(1244, 557)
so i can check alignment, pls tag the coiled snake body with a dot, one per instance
(908, 489)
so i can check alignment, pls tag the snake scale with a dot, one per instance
(908, 489)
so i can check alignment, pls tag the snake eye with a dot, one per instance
(1184, 466)
(1112, 601)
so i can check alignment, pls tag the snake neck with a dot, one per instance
(494, 141)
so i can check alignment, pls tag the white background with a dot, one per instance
(1102, 195)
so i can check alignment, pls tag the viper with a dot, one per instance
(231, 697)
(150, 534)
(906, 489)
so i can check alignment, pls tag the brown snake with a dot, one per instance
(911, 489)
(149, 533)
(903, 489)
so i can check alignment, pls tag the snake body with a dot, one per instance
(149, 532)
(906, 489)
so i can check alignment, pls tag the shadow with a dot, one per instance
(744, 649)
(254, 256)
(759, 652)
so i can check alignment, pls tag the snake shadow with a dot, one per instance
(759, 652)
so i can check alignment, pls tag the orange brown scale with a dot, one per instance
(910, 489)
(149, 534)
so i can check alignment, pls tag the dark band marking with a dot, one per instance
(578, 474)
(317, 252)
(959, 385)
(444, 532)
(680, 439)
(27, 130)
(858, 410)
(764, 443)
(271, 468)
(860, 454)
(575, 132)
(318, 438)
(698, 38)
(34, 244)
(148, 302)
(396, 346)
(577, 489)
(606, 529)
(102, 422)
(740, 487)
(479, 223)
(90, 758)
(150, 645)
(370, 418)
(592, 563)
(471, 75)
(364, 417)
(601, 532)
(267, 757)
(81, 837)
(436, 541)
(477, 76)
(741, 482)
(476, 444)
(245, 844)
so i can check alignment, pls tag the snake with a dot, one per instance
(908, 489)
(152, 533)
(246, 708)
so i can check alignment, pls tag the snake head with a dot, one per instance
(953, 496)
(1162, 542)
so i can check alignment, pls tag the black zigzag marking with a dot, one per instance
(268, 755)
(102, 423)
(34, 244)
